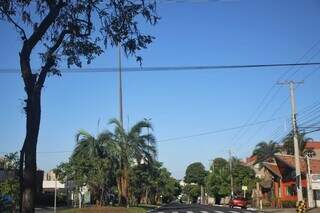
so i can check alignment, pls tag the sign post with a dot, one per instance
(315, 181)
(244, 188)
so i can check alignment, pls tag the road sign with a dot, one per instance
(244, 188)
(315, 181)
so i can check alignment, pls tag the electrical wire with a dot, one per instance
(186, 136)
(170, 68)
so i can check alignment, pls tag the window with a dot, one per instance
(291, 190)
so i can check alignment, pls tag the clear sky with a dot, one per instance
(180, 103)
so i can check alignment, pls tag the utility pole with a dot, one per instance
(120, 87)
(55, 195)
(309, 190)
(231, 175)
(295, 136)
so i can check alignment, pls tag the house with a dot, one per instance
(315, 147)
(67, 191)
(279, 180)
(50, 183)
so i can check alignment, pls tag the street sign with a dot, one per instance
(315, 181)
(244, 188)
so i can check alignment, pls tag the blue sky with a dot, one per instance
(179, 103)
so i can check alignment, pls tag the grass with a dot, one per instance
(105, 210)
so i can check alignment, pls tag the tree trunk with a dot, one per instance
(147, 195)
(102, 197)
(33, 113)
(125, 189)
(119, 185)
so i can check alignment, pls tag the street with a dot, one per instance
(195, 208)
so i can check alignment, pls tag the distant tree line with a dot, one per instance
(216, 182)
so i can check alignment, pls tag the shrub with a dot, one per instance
(288, 204)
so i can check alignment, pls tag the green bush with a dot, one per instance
(288, 204)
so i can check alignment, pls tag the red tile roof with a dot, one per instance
(289, 160)
(251, 159)
(272, 167)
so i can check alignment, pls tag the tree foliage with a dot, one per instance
(76, 29)
(193, 191)
(264, 150)
(243, 176)
(195, 173)
(66, 32)
(10, 186)
(218, 180)
(288, 145)
(119, 162)
(152, 184)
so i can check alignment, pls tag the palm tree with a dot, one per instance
(264, 150)
(133, 147)
(288, 146)
(98, 155)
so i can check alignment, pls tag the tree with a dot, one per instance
(218, 180)
(218, 184)
(133, 146)
(195, 173)
(242, 176)
(288, 145)
(264, 150)
(193, 191)
(106, 160)
(10, 186)
(218, 164)
(92, 163)
(165, 187)
(150, 181)
(72, 30)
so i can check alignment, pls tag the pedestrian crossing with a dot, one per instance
(213, 211)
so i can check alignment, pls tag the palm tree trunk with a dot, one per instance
(101, 196)
(125, 186)
(119, 186)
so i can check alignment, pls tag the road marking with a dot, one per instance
(204, 212)
(175, 212)
(189, 211)
(233, 212)
(218, 211)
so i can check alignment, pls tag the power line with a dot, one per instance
(182, 137)
(169, 68)
(262, 105)
(284, 101)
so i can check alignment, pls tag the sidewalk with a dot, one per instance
(291, 210)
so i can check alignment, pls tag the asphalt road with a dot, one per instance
(195, 208)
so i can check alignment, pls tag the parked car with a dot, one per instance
(239, 202)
